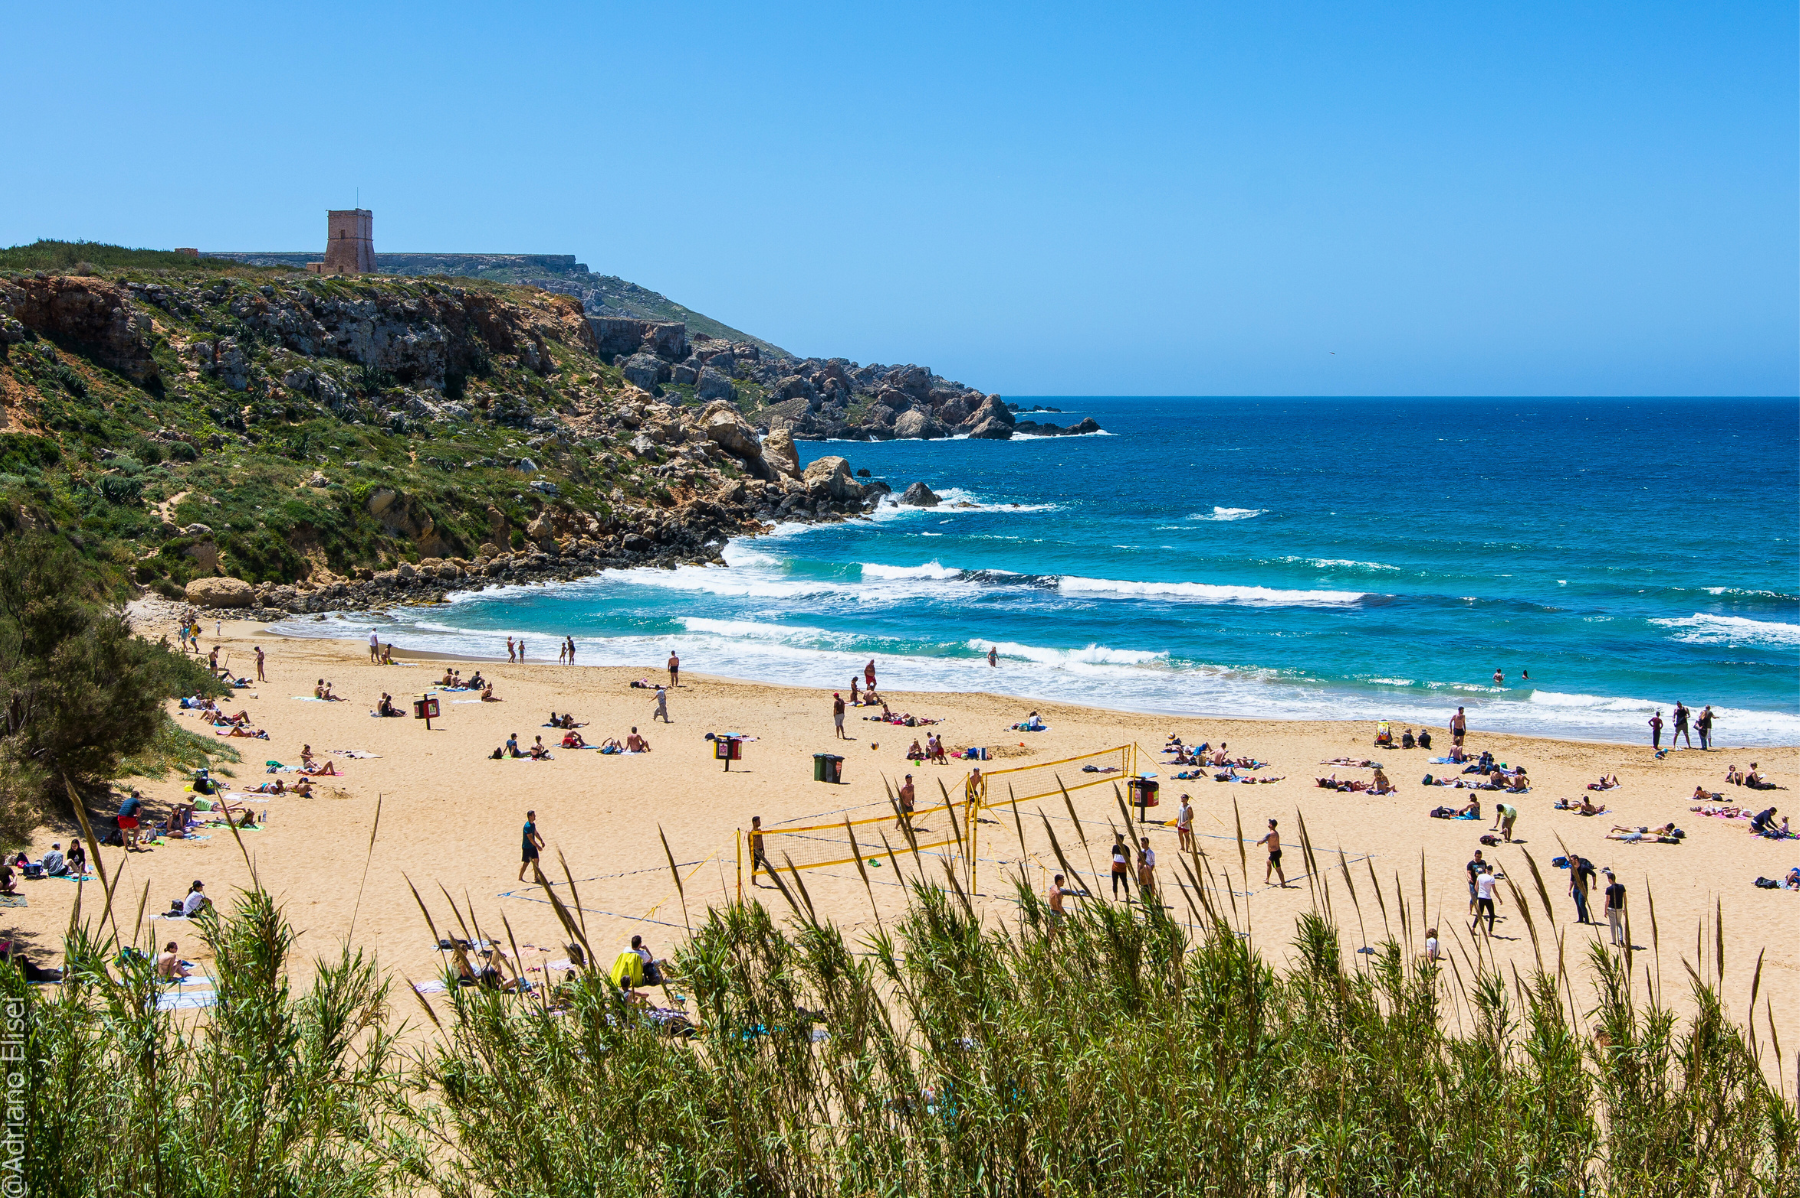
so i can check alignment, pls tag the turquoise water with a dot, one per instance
(1314, 558)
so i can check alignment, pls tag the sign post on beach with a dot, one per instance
(425, 707)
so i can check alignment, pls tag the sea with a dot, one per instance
(1323, 558)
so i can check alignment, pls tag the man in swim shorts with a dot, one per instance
(128, 821)
(758, 858)
(1273, 840)
(533, 843)
(905, 803)
(1459, 727)
(837, 714)
(674, 669)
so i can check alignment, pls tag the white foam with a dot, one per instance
(1230, 513)
(1201, 592)
(928, 570)
(1338, 563)
(1094, 654)
(1703, 629)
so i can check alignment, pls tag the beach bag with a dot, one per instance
(1427, 781)
(32, 870)
(1768, 883)
(1560, 862)
(1489, 839)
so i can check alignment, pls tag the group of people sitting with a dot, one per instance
(1471, 811)
(932, 750)
(1384, 738)
(235, 725)
(322, 690)
(1030, 723)
(865, 698)
(53, 864)
(1753, 780)
(454, 681)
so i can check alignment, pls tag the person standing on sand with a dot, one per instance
(374, 647)
(662, 706)
(869, 674)
(521, 649)
(259, 665)
(837, 714)
(674, 669)
(1273, 840)
(1474, 869)
(1146, 870)
(1681, 726)
(1703, 726)
(1487, 893)
(1055, 897)
(129, 811)
(758, 858)
(1121, 861)
(509, 650)
(906, 800)
(571, 650)
(533, 843)
(1615, 909)
(1656, 725)
(1184, 825)
(975, 791)
(1459, 727)
(1579, 874)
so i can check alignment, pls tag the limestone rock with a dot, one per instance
(991, 430)
(726, 429)
(220, 592)
(541, 530)
(916, 424)
(713, 385)
(780, 452)
(645, 370)
(919, 495)
(833, 474)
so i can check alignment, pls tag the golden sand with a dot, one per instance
(450, 821)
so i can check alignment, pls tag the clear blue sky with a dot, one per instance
(1345, 198)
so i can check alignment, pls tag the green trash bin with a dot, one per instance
(827, 767)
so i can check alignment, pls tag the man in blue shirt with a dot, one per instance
(128, 821)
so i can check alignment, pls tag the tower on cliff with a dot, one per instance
(350, 249)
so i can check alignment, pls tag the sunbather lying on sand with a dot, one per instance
(572, 740)
(302, 787)
(1666, 834)
(1605, 783)
(324, 769)
(1582, 806)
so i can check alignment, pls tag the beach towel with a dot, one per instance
(430, 987)
(186, 1002)
(13, 900)
(359, 754)
(307, 699)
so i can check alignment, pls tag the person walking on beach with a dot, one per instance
(1615, 909)
(905, 804)
(994, 656)
(837, 714)
(1656, 725)
(1681, 726)
(1474, 869)
(869, 675)
(571, 650)
(674, 669)
(1459, 727)
(533, 843)
(1487, 893)
(510, 654)
(1121, 863)
(374, 647)
(758, 858)
(259, 665)
(662, 706)
(1273, 839)
(1184, 825)
(1703, 726)
(1055, 897)
(1580, 874)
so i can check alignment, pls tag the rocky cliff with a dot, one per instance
(281, 441)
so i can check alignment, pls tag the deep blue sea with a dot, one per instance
(1293, 558)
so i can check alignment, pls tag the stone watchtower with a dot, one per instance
(351, 248)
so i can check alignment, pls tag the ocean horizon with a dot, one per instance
(1258, 558)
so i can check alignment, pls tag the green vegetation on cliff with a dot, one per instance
(175, 417)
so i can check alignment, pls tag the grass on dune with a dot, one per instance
(1121, 1052)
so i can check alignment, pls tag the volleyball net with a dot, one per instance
(943, 822)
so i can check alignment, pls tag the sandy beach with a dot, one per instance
(450, 820)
